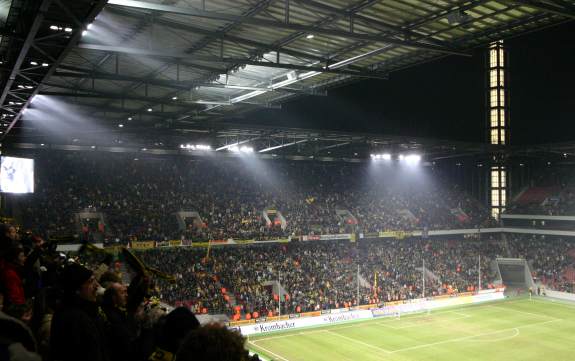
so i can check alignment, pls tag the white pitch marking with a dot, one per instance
(552, 301)
(470, 337)
(372, 322)
(464, 315)
(416, 317)
(515, 334)
(268, 351)
(359, 342)
(418, 325)
(524, 312)
(387, 324)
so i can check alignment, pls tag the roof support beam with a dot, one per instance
(282, 25)
(405, 32)
(101, 108)
(216, 59)
(171, 84)
(74, 38)
(258, 7)
(333, 146)
(282, 146)
(112, 96)
(559, 7)
(179, 85)
(224, 147)
(24, 50)
(228, 37)
(189, 104)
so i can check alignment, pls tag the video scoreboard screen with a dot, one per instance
(16, 175)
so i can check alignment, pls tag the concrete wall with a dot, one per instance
(560, 295)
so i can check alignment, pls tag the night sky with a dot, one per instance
(445, 98)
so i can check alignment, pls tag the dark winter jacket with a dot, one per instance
(16, 340)
(79, 332)
(122, 332)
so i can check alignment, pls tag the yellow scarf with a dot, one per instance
(162, 355)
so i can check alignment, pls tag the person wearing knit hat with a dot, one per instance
(78, 279)
(78, 329)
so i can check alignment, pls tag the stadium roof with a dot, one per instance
(295, 144)
(176, 66)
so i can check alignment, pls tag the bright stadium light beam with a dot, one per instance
(227, 146)
(243, 149)
(412, 159)
(202, 147)
(282, 146)
(383, 156)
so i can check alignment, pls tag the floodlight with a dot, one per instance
(412, 159)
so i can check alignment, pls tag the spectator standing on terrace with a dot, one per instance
(213, 342)
(121, 328)
(78, 329)
(174, 328)
(16, 340)
(11, 277)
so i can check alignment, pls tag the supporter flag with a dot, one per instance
(139, 267)
(208, 251)
(460, 215)
(375, 283)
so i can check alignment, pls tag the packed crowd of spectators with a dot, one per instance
(552, 259)
(196, 287)
(138, 200)
(54, 308)
(320, 275)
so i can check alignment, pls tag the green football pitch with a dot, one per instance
(511, 329)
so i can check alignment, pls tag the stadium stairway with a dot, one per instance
(508, 251)
(277, 288)
(495, 270)
(430, 275)
(515, 272)
(363, 282)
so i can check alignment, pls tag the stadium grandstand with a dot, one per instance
(287, 180)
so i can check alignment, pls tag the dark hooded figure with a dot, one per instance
(78, 326)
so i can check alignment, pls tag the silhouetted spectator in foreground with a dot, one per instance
(78, 329)
(214, 342)
(176, 325)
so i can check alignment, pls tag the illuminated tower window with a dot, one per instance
(498, 185)
(497, 122)
(497, 94)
